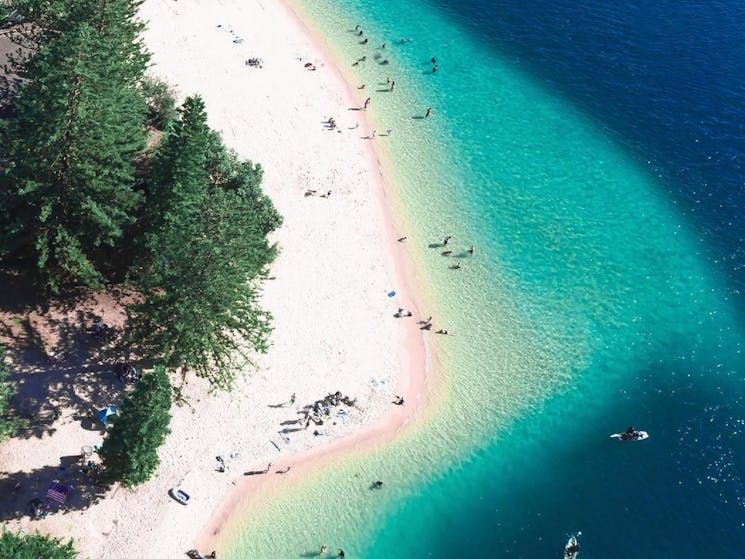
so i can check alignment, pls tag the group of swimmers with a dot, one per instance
(359, 32)
(325, 548)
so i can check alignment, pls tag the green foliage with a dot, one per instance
(36, 546)
(130, 451)
(9, 423)
(206, 250)
(68, 193)
(52, 18)
(161, 102)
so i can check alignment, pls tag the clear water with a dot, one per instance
(594, 158)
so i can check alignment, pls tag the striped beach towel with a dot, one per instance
(57, 493)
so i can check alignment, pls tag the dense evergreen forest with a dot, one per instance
(104, 181)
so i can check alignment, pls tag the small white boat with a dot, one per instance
(179, 495)
(571, 549)
(630, 434)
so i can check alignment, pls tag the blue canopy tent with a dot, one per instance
(103, 415)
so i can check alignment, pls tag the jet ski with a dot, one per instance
(630, 434)
(571, 549)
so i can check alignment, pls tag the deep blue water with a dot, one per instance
(665, 79)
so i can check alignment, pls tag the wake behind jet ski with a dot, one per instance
(630, 434)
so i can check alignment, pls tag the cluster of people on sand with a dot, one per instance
(194, 554)
(316, 411)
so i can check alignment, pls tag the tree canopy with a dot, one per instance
(130, 450)
(68, 185)
(34, 546)
(206, 246)
(9, 422)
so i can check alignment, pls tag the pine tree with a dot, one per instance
(34, 546)
(9, 422)
(68, 191)
(130, 451)
(207, 251)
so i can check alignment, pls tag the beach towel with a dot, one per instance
(57, 492)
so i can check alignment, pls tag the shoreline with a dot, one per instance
(416, 370)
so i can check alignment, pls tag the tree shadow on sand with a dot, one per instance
(20, 488)
(57, 366)
(42, 396)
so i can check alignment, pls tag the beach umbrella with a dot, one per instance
(103, 415)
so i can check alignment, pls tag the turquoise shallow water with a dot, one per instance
(594, 301)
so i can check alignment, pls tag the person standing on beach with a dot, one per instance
(446, 240)
(470, 250)
(393, 84)
(367, 102)
(341, 553)
(324, 549)
(429, 112)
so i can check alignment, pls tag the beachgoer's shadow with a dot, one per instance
(435, 245)
(386, 90)
(417, 117)
(354, 109)
(310, 554)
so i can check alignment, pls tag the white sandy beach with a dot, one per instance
(334, 325)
